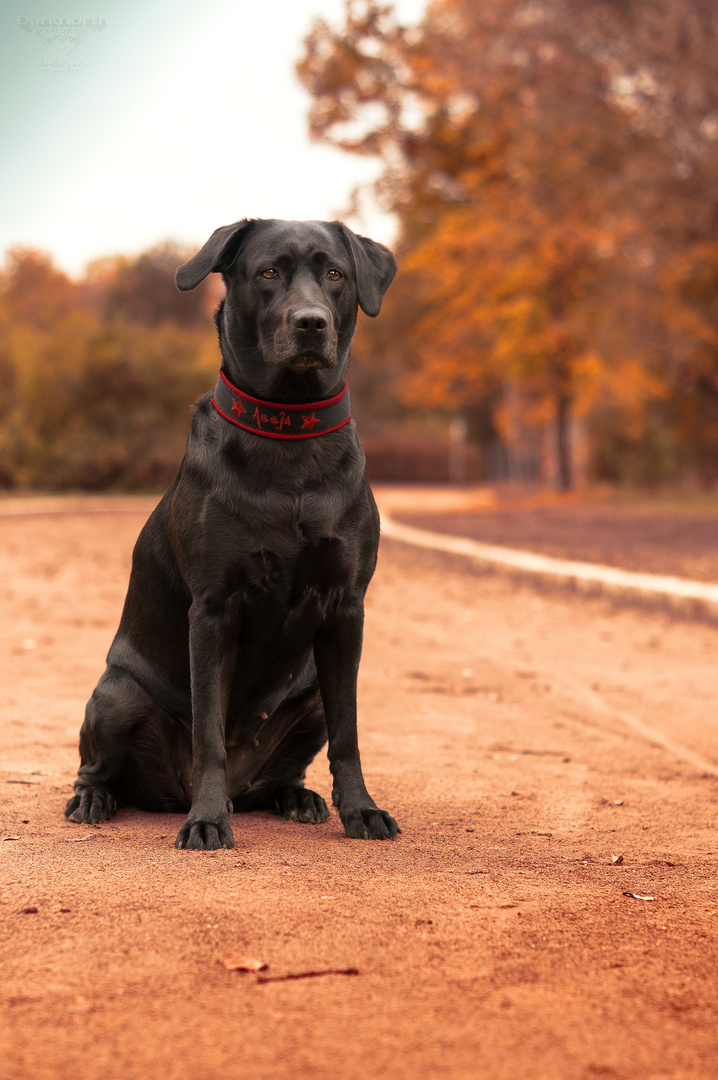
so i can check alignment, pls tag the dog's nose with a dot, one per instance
(310, 319)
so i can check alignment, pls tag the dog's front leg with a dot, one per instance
(337, 651)
(213, 655)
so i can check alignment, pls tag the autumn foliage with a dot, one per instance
(552, 169)
(98, 376)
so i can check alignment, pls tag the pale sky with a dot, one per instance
(176, 117)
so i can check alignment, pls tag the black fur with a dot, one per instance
(239, 644)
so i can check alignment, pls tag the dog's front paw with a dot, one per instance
(199, 835)
(369, 824)
(300, 804)
(91, 806)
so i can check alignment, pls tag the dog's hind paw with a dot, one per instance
(369, 824)
(198, 835)
(91, 807)
(300, 804)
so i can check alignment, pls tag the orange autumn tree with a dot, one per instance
(537, 176)
(498, 310)
(691, 319)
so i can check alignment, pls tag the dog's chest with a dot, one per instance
(312, 575)
(292, 600)
(301, 541)
(285, 521)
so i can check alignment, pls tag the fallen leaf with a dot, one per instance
(243, 963)
(617, 860)
(637, 896)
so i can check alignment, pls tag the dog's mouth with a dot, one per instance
(308, 361)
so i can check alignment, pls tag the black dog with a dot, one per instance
(239, 644)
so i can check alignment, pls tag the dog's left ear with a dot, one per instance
(375, 269)
(216, 256)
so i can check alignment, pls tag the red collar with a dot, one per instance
(276, 421)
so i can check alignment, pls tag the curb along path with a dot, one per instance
(680, 595)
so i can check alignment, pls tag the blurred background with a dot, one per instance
(546, 172)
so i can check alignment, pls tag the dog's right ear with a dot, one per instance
(216, 256)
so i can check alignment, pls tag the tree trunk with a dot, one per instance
(563, 441)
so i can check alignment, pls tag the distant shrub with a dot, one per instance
(93, 397)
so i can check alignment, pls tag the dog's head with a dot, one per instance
(293, 288)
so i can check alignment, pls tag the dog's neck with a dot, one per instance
(274, 420)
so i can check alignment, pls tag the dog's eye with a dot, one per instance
(270, 273)
(334, 275)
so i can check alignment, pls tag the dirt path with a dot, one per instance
(493, 938)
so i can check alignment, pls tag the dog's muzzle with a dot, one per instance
(306, 341)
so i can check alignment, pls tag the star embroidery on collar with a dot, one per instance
(238, 408)
(309, 422)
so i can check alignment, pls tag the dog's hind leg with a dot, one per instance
(297, 803)
(290, 798)
(294, 735)
(116, 705)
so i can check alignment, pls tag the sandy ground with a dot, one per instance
(493, 939)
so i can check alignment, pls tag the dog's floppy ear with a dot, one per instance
(216, 256)
(375, 269)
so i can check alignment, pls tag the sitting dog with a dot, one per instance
(237, 653)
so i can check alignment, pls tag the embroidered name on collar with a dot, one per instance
(276, 421)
